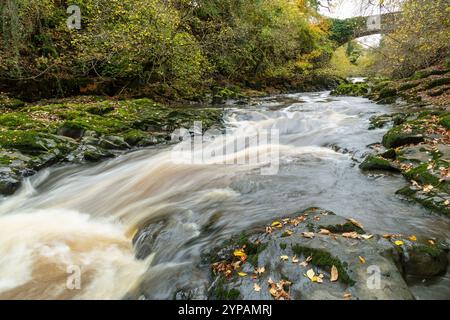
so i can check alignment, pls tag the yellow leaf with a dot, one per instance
(310, 274)
(431, 242)
(356, 223)
(241, 254)
(325, 232)
(362, 260)
(308, 235)
(295, 259)
(334, 274)
(399, 243)
(242, 274)
(284, 258)
(413, 238)
(277, 224)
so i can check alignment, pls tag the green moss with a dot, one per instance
(387, 92)
(25, 141)
(283, 246)
(445, 121)
(5, 161)
(10, 103)
(408, 85)
(431, 250)
(400, 136)
(221, 293)
(19, 121)
(323, 259)
(351, 89)
(341, 228)
(437, 82)
(422, 175)
(422, 74)
(100, 110)
(373, 162)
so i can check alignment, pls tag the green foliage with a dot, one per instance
(419, 41)
(178, 45)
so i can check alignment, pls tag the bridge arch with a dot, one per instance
(345, 30)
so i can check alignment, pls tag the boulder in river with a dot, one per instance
(297, 258)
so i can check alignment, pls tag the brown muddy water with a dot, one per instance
(85, 216)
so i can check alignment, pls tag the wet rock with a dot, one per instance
(113, 143)
(425, 261)
(396, 138)
(9, 183)
(357, 261)
(71, 132)
(93, 154)
(373, 162)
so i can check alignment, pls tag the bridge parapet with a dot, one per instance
(345, 30)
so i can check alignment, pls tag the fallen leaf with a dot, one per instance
(304, 264)
(356, 223)
(260, 270)
(236, 265)
(431, 242)
(347, 296)
(367, 236)
(240, 254)
(308, 235)
(242, 274)
(325, 232)
(362, 260)
(310, 274)
(309, 259)
(428, 188)
(288, 233)
(351, 235)
(399, 243)
(334, 274)
(413, 238)
(277, 224)
(257, 287)
(295, 259)
(446, 202)
(284, 258)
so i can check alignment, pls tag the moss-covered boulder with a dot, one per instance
(351, 89)
(374, 162)
(296, 258)
(402, 135)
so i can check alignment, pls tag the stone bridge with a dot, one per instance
(345, 30)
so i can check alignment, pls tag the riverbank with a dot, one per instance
(418, 145)
(84, 129)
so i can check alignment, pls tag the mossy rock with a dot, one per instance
(398, 137)
(324, 259)
(350, 89)
(10, 103)
(373, 162)
(387, 92)
(445, 121)
(425, 261)
(437, 82)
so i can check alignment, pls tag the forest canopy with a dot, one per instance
(177, 42)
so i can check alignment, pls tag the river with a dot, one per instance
(82, 218)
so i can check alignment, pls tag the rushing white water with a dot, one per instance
(87, 216)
